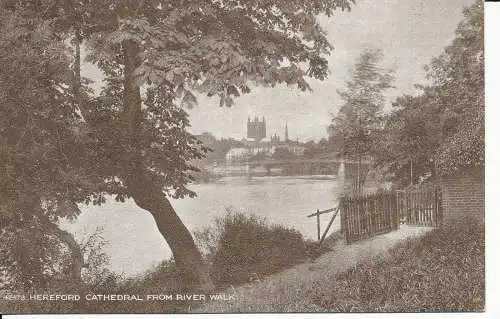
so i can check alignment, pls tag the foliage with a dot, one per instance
(162, 279)
(322, 147)
(458, 79)
(442, 271)
(406, 143)
(45, 251)
(245, 247)
(218, 148)
(42, 155)
(96, 274)
(283, 153)
(441, 130)
(360, 117)
(65, 144)
(29, 257)
(211, 47)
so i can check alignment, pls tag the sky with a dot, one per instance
(410, 33)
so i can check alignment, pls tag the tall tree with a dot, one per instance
(441, 130)
(457, 78)
(41, 153)
(360, 116)
(154, 54)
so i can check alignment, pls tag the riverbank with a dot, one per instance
(291, 290)
(413, 269)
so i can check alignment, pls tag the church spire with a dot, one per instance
(286, 131)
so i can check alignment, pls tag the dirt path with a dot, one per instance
(284, 291)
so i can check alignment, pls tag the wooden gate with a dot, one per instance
(420, 205)
(366, 216)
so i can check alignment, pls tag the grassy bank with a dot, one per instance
(412, 269)
(263, 266)
(442, 271)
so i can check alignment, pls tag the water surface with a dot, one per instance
(134, 243)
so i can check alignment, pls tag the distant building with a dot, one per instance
(256, 129)
(259, 144)
(294, 147)
(238, 154)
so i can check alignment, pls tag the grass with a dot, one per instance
(442, 270)
(239, 247)
(163, 279)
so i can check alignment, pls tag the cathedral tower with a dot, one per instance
(256, 129)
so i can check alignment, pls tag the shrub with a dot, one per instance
(96, 273)
(96, 276)
(241, 247)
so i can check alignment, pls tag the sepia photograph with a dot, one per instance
(242, 156)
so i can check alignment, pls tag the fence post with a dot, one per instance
(439, 219)
(342, 214)
(317, 222)
(329, 225)
(346, 212)
(395, 212)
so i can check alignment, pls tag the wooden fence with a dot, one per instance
(420, 206)
(366, 216)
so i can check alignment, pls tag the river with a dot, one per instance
(135, 245)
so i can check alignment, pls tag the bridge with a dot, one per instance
(275, 162)
(313, 166)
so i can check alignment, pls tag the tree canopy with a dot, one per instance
(441, 129)
(458, 89)
(360, 116)
(130, 139)
(42, 157)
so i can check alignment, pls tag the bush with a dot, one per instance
(442, 271)
(96, 276)
(241, 247)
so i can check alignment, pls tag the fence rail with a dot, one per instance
(420, 206)
(366, 216)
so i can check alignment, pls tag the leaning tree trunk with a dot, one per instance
(149, 195)
(188, 259)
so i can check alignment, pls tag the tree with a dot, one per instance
(283, 153)
(42, 154)
(458, 88)
(441, 130)
(218, 148)
(154, 54)
(409, 137)
(360, 117)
